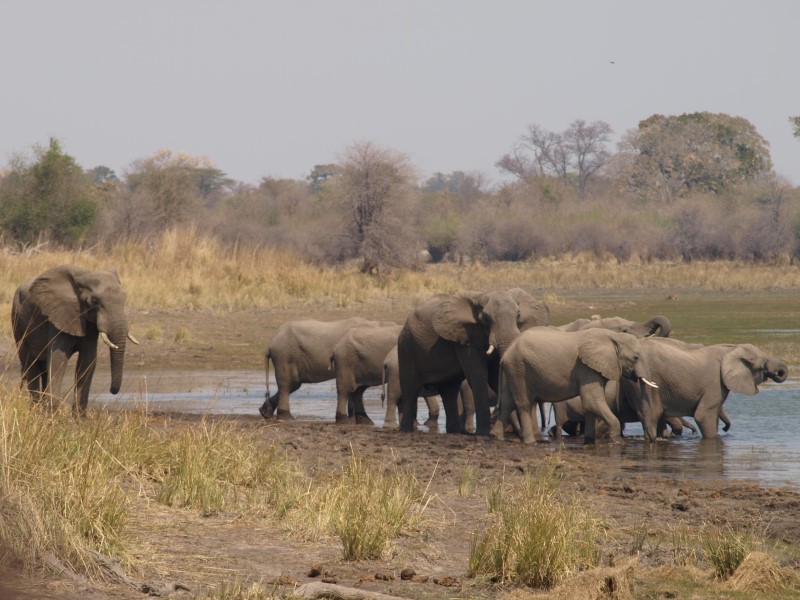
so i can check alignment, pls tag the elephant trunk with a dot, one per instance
(659, 324)
(777, 370)
(118, 335)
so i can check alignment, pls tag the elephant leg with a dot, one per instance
(476, 371)
(345, 391)
(467, 407)
(707, 418)
(433, 412)
(359, 412)
(84, 372)
(56, 368)
(595, 404)
(449, 394)
(542, 415)
(392, 399)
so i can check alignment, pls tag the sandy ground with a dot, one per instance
(183, 554)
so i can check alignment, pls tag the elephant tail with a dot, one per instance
(383, 385)
(266, 369)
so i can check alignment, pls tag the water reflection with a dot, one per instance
(762, 444)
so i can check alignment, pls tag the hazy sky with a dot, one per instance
(268, 88)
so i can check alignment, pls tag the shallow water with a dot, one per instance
(762, 444)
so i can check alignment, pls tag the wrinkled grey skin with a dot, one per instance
(301, 352)
(570, 418)
(658, 325)
(391, 393)
(545, 362)
(63, 312)
(358, 361)
(695, 380)
(448, 338)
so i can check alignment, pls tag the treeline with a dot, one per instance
(678, 187)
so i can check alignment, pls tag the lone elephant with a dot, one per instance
(301, 352)
(451, 337)
(545, 362)
(695, 380)
(62, 312)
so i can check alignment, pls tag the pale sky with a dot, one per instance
(271, 88)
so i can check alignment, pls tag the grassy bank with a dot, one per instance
(185, 270)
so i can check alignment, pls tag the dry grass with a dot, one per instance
(540, 534)
(759, 572)
(184, 269)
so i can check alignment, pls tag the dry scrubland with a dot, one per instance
(77, 499)
(186, 270)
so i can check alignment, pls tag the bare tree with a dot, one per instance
(581, 149)
(586, 143)
(376, 185)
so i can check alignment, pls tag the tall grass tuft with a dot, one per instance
(726, 548)
(539, 534)
(372, 506)
(61, 493)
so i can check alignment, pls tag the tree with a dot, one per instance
(580, 149)
(375, 185)
(795, 121)
(164, 189)
(49, 198)
(674, 155)
(586, 144)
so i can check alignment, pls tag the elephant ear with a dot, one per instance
(54, 293)
(456, 318)
(532, 313)
(737, 370)
(598, 351)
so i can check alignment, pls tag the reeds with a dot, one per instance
(539, 534)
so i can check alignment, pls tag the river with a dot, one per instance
(761, 444)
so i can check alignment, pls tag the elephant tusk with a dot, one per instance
(107, 341)
(650, 383)
(490, 350)
(133, 339)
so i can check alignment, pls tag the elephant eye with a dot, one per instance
(95, 301)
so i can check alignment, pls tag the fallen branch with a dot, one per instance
(317, 590)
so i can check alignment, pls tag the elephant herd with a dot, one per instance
(472, 349)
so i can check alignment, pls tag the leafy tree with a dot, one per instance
(50, 198)
(795, 121)
(672, 156)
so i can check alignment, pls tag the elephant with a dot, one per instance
(448, 338)
(358, 359)
(63, 311)
(694, 380)
(570, 418)
(658, 325)
(545, 362)
(390, 382)
(301, 352)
